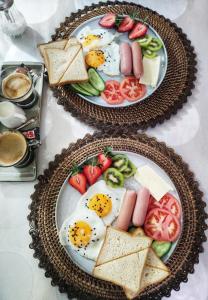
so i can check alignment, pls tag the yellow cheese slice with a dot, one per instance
(151, 71)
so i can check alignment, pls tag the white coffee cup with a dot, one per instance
(11, 115)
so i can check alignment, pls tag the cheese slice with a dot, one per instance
(151, 71)
(157, 186)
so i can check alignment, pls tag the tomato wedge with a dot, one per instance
(112, 94)
(168, 202)
(131, 89)
(161, 225)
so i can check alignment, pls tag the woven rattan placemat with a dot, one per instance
(45, 241)
(169, 97)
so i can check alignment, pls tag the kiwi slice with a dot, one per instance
(120, 162)
(130, 170)
(114, 178)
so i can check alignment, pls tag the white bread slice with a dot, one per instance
(52, 45)
(124, 271)
(150, 276)
(152, 259)
(154, 272)
(55, 45)
(71, 42)
(76, 72)
(59, 61)
(119, 243)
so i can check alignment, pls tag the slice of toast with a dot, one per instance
(154, 271)
(58, 62)
(124, 271)
(119, 243)
(76, 72)
(51, 45)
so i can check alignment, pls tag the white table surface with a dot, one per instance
(20, 277)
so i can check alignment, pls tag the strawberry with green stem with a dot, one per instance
(104, 159)
(77, 179)
(92, 170)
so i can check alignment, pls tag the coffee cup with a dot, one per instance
(17, 87)
(14, 149)
(11, 115)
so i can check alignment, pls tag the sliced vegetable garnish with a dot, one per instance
(161, 248)
(112, 94)
(167, 202)
(161, 225)
(80, 90)
(131, 89)
(96, 80)
(144, 41)
(89, 88)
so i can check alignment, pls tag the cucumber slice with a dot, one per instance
(161, 248)
(80, 90)
(96, 80)
(89, 88)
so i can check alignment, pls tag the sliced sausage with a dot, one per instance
(126, 58)
(126, 210)
(141, 207)
(137, 60)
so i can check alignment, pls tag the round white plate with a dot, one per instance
(93, 23)
(68, 198)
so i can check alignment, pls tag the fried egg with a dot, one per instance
(103, 200)
(94, 38)
(84, 232)
(111, 65)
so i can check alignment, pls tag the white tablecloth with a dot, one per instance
(20, 277)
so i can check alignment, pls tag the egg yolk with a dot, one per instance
(95, 58)
(101, 204)
(89, 39)
(80, 234)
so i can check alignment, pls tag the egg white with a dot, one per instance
(111, 66)
(116, 196)
(92, 250)
(105, 38)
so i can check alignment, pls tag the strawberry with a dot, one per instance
(78, 180)
(104, 159)
(139, 29)
(92, 171)
(126, 24)
(108, 20)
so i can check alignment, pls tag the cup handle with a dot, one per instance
(20, 116)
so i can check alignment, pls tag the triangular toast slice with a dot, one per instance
(76, 72)
(154, 271)
(52, 45)
(58, 62)
(119, 243)
(124, 271)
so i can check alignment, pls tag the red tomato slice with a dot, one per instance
(161, 225)
(112, 94)
(168, 202)
(131, 89)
